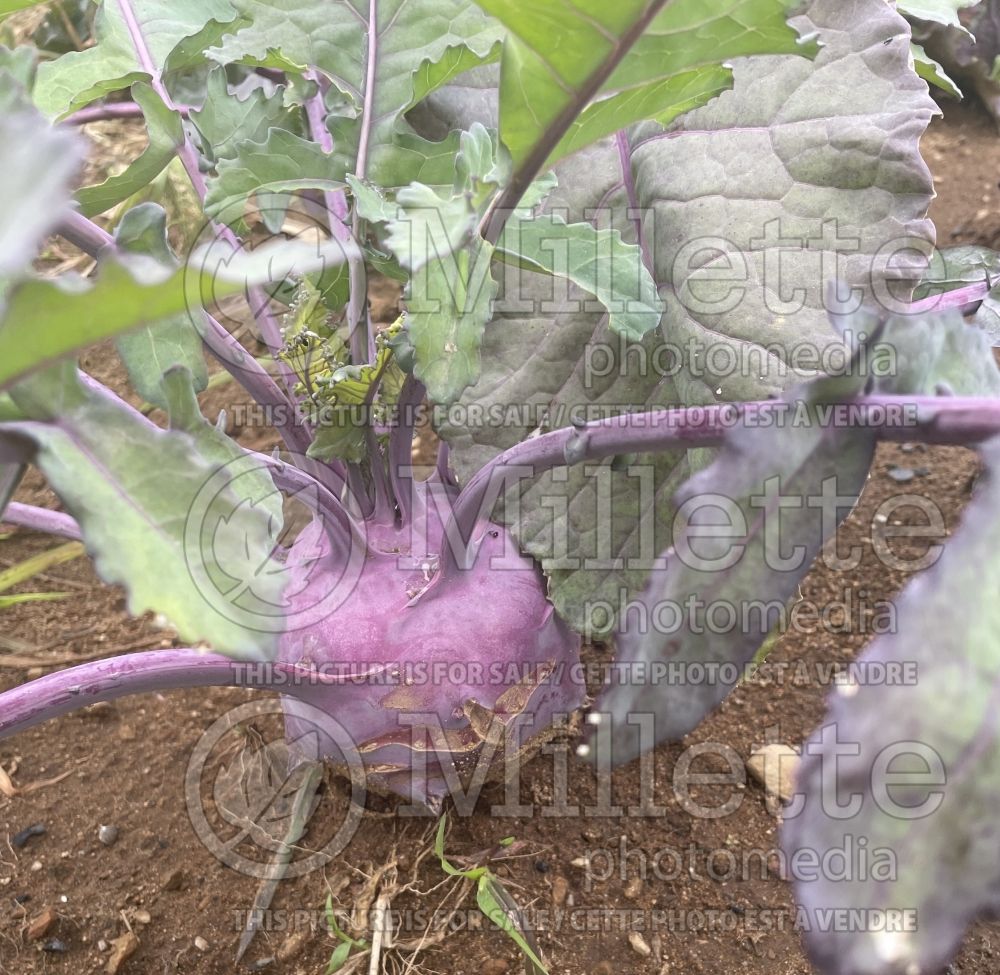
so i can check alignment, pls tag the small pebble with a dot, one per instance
(108, 835)
(639, 945)
(55, 946)
(36, 866)
(174, 880)
(102, 945)
(20, 840)
(41, 924)
(541, 866)
(201, 944)
(261, 964)
(143, 917)
(22, 899)
(560, 888)
(902, 475)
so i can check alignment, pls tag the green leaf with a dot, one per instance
(37, 163)
(166, 133)
(649, 61)
(450, 294)
(738, 548)
(282, 163)
(932, 72)
(938, 11)
(133, 489)
(598, 261)
(954, 267)
(152, 350)
(500, 908)
(6, 602)
(339, 957)
(80, 77)
(31, 567)
(48, 319)
(420, 45)
(225, 121)
(913, 766)
(12, 6)
(781, 156)
(934, 352)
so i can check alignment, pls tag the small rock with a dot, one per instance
(901, 475)
(560, 888)
(108, 835)
(174, 880)
(55, 946)
(262, 963)
(36, 866)
(774, 766)
(122, 949)
(20, 840)
(201, 944)
(41, 924)
(604, 968)
(639, 945)
(143, 917)
(494, 966)
(633, 889)
(541, 866)
(294, 943)
(102, 945)
(126, 733)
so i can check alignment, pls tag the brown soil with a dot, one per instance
(126, 764)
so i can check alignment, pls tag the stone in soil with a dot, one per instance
(41, 924)
(774, 767)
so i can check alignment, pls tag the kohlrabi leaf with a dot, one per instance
(255, 484)
(616, 64)
(954, 267)
(47, 319)
(912, 767)
(932, 72)
(781, 157)
(418, 46)
(10, 476)
(988, 317)
(938, 353)
(938, 11)
(20, 64)
(225, 121)
(37, 162)
(451, 288)
(740, 548)
(112, 63)
(150, 505)
(148, 352)
(166, 133)
(598, 261)
(282, 163)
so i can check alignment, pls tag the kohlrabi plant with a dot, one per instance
(668, 279)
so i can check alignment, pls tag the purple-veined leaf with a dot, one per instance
(747, 530)
(380, 70)
(37, 163)
(166, 133)
(780, 153)
(149, 352)
(912, 766)
(145, 500)
(80, 77)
